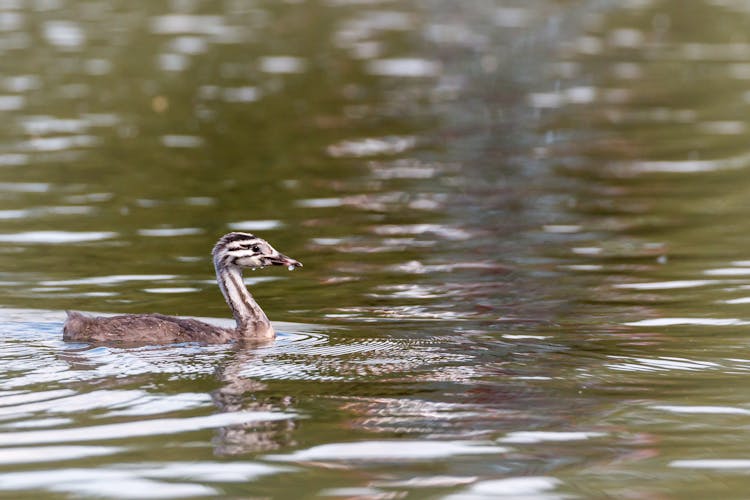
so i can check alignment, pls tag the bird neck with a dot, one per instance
(250, 318)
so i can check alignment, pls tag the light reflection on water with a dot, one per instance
(523, 228)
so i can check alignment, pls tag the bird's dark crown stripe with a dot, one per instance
(232, 237)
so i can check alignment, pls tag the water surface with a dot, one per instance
(523, 229)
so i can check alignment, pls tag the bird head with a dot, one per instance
(246, 250)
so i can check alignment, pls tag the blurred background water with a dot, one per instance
(524, 229)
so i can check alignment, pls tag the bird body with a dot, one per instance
(139, 328)
(232, 253)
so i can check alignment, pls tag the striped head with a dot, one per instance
(246, 250)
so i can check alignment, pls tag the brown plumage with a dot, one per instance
(155, 328)
(232, 253)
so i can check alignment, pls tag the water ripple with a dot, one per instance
(536, 487)
(662, 364)
(38, 454)
(60, 143)
(689, 321)
(173, 24)
(389, 451)
(282, 64)
(145, 480)
(255, 225)
(527, 437)
(102, 483)
(404, 67)
(170, 231)
(712, 463)
(154, 427)
(325, 361)
(372, 146)
(702, 410)
(76, 403)
(110, 280)
(56, 237)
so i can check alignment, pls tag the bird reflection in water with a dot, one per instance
(241, 394)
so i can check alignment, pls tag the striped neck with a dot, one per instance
(250, 318)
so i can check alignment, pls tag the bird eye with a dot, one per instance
(256, 249)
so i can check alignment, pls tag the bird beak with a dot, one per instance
(283, 260)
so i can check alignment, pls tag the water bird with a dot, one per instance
(231, 254)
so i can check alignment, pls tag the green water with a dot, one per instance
(524, 231)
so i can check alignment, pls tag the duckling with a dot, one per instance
(231, 254)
